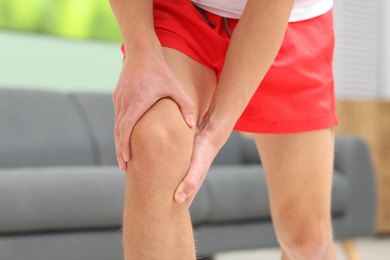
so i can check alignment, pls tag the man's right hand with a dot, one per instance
(143, 81)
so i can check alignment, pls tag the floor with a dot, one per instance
(377, 248)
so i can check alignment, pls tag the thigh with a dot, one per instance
(198, 81)
(299, 171)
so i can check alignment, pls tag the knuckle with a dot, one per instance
(191, 184)
(124, 145)
(126, 96)
(139, 98)
(119, 156)
(116, 95)
(123, 125)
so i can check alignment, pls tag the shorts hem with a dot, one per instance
(259, 127)
(170, 40)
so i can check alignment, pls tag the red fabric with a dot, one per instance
(297, 93)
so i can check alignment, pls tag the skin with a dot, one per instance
(298, 170)
(248, 58)
(135, 92)
(159, 182)
(154, 225)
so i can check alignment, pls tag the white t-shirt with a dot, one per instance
(302, 9)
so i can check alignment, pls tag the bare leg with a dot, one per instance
(154, 226)
(299, 178)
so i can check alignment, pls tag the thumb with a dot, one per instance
(186, 105)
(188, 185)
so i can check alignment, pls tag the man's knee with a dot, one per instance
(161, 146)
(304, 237)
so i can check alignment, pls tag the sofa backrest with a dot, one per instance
(238, 149)
(97, 111)
(40, 128)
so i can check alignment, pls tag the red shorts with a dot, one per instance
(296, 94)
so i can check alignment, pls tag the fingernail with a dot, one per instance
(121, 166)
(125, 157)
(181, 197)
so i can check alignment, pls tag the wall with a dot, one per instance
(359, 39)
(36, 61)
(385, 49)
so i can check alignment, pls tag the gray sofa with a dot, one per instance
(61, 194)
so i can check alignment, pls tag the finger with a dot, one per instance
(186, 105)
(117, 100)
(123, 109)
(114, 98)
(125, 128)
(190, 182)
(126, 125)
(191, 198)
(118, 153)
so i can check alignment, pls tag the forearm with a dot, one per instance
(135, 20)
(252, 49)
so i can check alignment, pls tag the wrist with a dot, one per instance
(142, 43)
(216, 131)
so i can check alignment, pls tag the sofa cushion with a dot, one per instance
(234, 193)
(83, 245)
(60, 198)
(200, 207)
(92, 197)
(41, 128)
(97, 111)
(230, 153)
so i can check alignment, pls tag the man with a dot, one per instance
(195, 70)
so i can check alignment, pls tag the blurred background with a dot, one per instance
(62, 32)
(74, 46)
(61, 45)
